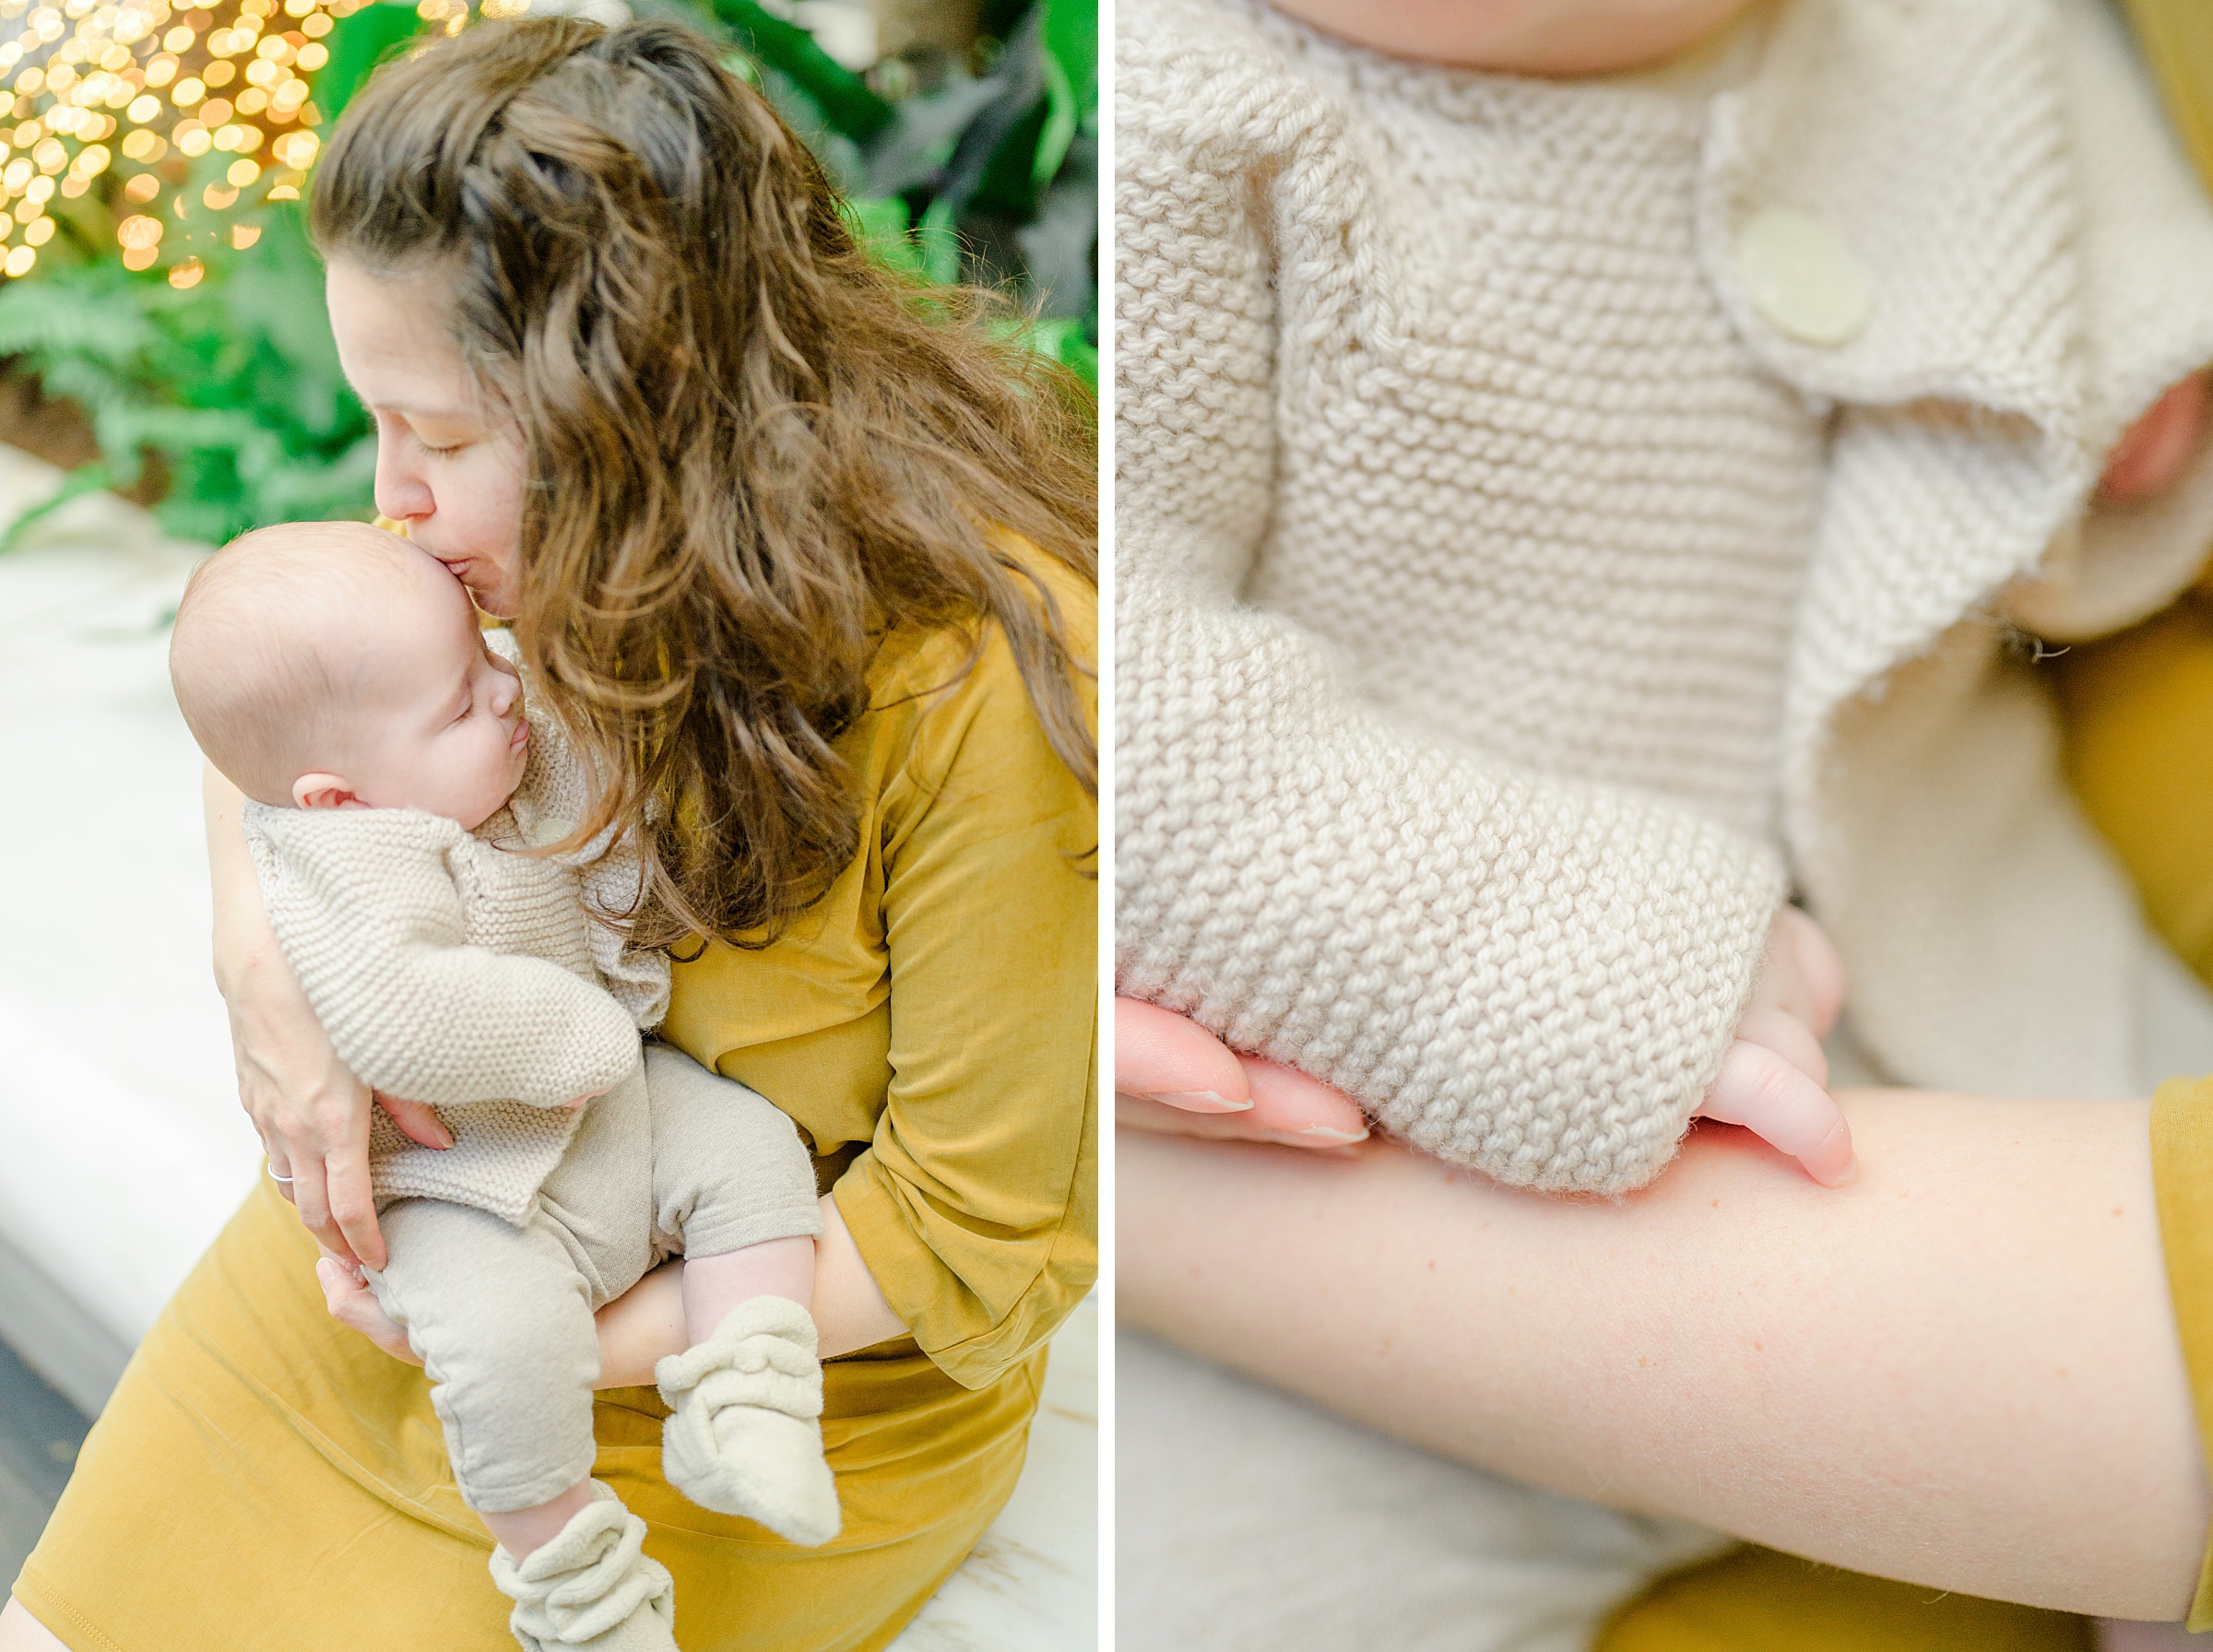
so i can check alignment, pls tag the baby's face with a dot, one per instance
(437, 718)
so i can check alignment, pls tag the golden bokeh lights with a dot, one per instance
(115, 99)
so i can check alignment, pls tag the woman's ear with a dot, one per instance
(323, 791)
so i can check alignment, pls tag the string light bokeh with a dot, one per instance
(130, 109)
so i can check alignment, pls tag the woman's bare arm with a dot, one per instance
(850, 1311)
(1960, 1370)
(645, 1323)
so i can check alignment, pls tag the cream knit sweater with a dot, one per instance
(449, 968)
(1512, 610)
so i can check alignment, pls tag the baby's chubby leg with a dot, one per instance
(503, 1323)
(730, 1171)
(715, 1286)
(732, 1177)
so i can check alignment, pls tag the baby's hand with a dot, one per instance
(1772, 1079)
(2150, 456)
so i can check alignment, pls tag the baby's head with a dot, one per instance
(326, 665)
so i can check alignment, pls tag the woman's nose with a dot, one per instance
(400, 493)
(401, 497)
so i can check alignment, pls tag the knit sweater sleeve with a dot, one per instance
(1531, 976)
(369, 913)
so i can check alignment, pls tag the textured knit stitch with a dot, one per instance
(451, 969)
(1507, 608)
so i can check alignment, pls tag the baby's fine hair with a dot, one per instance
(262, 636)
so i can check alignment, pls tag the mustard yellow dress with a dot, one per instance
(265, 1481)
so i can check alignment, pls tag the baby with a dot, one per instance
(336, 675)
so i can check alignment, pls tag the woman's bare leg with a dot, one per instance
(1962, 1370)
(19, 1632)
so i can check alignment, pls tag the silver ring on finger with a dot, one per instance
(271, 1165)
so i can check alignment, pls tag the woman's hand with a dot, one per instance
(353, 1304)
(1773, 1081)
(310, 1111)
(1173, 1077)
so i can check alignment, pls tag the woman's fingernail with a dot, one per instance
(1312, 1147)
(1199, 1101)
(1323, 1133)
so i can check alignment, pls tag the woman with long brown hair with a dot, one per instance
(804, 559)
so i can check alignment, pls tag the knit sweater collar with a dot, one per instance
(1932, 138)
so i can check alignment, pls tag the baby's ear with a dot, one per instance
(322, 791)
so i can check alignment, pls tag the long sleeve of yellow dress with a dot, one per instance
(976, 1202)
(956, 1115)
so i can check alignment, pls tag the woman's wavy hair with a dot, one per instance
(750, 451)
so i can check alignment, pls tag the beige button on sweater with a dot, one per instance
(1510, 613)
(450, 969)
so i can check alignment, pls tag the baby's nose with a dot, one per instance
(505, 692)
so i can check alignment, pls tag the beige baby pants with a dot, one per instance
(672, 1159)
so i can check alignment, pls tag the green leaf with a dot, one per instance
(1071, 341)
(842, 97)
(879, 225)
(1070, 35)
(1071, 42)
(940, 243)
(358, 45)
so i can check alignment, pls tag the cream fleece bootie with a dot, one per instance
(592, 1585)
(747, 1433)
